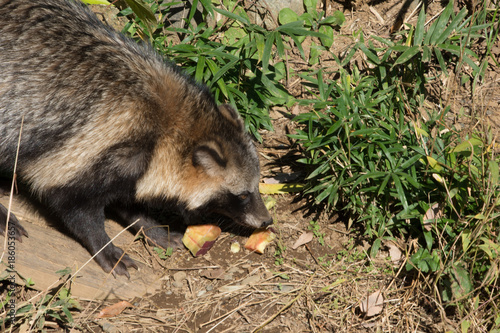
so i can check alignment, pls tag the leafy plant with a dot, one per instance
(279, 251)
(314, 226)
(447, 41)
(397, 168)
(316, 21)
(55, 306)
(358, 147)
(163, 254)
(242, 63)
(350, 253)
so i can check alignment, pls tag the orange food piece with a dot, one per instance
(200, 238)
(259, 239)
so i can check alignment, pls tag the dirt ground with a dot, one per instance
(315, 287)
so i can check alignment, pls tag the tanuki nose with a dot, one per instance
(267, 223)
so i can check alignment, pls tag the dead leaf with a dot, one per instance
(213, 274)
(252, 279)
(373, 304)
(304, 238)
(114, 310)
(394, 252)
(270, 180)
(280, 188)
(433, 213)
(270, 202)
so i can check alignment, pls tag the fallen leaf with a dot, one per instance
(213, 274)
(373, 304)
(280, 188)
(394, 252)
(270, 202)
(114, 310)
(271, 180)
(253, 279)
(433, 213)
(304, 238)
(228, 289)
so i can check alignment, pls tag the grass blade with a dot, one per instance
(407, 55)
(441, 23)
(419, 30)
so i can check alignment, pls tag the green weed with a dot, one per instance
(279, 253)
(56, 307)
(396, 167)
(242, 63)
(316, 229)
(315, 21)
(163, 254)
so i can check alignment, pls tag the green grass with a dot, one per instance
(242, 63)
(399, 169)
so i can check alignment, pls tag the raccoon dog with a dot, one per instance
(107, 124)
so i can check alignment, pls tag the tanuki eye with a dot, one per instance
(243, 196)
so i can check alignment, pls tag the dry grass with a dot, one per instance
(286, 298)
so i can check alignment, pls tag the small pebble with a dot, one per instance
(180, 276)
(109, 328)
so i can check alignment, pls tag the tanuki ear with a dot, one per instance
(232, 115)
(210, 157)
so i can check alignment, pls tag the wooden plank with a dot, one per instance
(47, 250)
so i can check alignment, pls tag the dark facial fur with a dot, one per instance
(107, 123)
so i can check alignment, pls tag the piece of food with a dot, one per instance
(235, 247)
(200, 238)
(259, 239)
